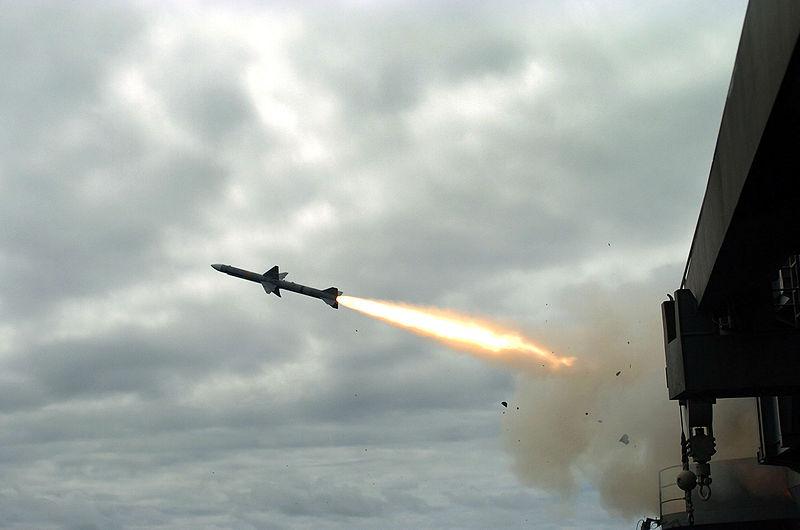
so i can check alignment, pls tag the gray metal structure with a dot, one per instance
(733, 328)
(749, 211)
(735, 506)
(749, 220)
(273, 281)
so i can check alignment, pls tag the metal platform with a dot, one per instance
(746, 495)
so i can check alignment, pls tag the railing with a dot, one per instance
(677, 515)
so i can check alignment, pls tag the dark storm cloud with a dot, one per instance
(445, 154)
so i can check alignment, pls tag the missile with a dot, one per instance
(273, 281)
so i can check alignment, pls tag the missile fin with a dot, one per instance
(272, 273)
(271, 288)
(333, 303)
(333, 292)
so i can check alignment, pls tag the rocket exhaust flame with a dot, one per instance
(458, 331)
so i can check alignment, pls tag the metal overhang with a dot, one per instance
(761, 103)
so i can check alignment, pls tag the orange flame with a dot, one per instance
(456, 330)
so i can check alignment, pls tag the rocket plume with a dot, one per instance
(458, 331)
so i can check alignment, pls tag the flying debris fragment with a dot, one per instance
(504, 403)
(273, 281)
(625, 439)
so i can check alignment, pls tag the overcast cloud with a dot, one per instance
(538, 164)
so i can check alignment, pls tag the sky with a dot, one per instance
(538, 164)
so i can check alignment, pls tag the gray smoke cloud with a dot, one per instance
(568, 426)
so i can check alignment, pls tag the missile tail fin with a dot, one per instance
(271, 288)
(333, 292)
(273, 273)
(333, 303)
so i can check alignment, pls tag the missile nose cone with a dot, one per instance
(217, 266)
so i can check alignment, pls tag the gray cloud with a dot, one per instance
(507, 163)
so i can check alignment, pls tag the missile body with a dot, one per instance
(273, 281)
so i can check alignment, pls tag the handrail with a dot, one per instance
(662, 487)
